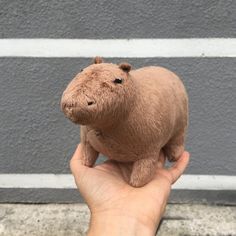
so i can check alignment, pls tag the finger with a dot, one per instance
(76, 165)
(161, 160)
(179, 167)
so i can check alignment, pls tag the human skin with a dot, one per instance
(118, 208)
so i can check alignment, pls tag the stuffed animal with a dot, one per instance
(128, 115)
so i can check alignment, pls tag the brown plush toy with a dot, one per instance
(128, 115)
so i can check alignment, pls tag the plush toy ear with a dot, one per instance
(97, 60)
(126, 67)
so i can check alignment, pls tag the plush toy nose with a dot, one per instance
(90, 102)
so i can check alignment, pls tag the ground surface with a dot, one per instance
(72, 219)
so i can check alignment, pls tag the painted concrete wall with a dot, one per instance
(34, 135)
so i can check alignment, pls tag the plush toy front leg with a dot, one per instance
(89, 155)
(143, 171)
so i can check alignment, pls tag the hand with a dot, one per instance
(118, 208)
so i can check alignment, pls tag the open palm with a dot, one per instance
(105, 189)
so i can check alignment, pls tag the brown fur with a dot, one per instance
(97, 60)
(129, 120)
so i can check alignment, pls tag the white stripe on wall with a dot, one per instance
(137, 48)
(66, 181)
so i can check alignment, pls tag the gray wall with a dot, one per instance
(34, 135)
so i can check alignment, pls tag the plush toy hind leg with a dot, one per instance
(143, 171)
(175, 147)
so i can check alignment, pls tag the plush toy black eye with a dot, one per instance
(81, 70)
(118, 81)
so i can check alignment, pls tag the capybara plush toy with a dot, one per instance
(128, 115)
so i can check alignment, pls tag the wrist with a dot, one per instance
(119, 224)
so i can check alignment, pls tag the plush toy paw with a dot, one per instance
(138, 179)
(89, 155)
(86, 161)
(143, 171)
(136, 182)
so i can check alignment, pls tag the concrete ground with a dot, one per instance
(72, 219)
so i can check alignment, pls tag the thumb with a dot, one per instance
(76, 166)
(179, 167)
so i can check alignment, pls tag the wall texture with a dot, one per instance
(34, 135)
(117, 19)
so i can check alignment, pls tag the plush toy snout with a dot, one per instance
(77, 108)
